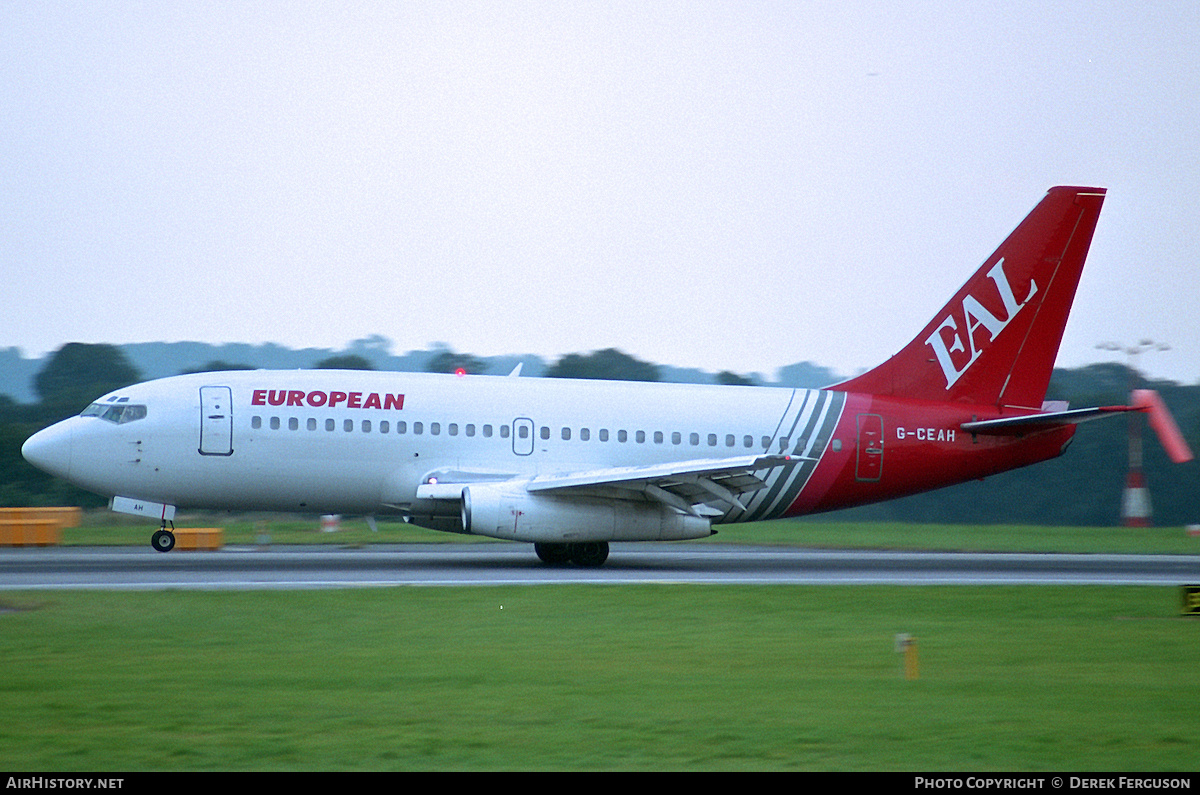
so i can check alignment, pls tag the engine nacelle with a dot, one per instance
(508, 512)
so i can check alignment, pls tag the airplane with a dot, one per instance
(572, 465)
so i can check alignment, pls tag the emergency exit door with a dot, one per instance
(522, 437)
(216, 420)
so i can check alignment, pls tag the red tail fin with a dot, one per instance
(996, 340)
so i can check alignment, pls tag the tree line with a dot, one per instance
(1083, 487)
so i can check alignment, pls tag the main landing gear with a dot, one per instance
(163, 539)
(586, 554)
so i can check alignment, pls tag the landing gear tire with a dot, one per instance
(163, 540)
(589, 554)
(554, 554)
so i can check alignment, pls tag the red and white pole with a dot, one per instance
(1135, 507)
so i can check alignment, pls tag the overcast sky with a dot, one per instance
(730, 186)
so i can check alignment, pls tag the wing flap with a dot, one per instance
(612, 476)
(684, 485)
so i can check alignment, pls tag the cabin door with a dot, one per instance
(216, 420)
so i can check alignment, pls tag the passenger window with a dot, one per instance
(604, 434)
(622, 436)
(256, 422)
(435, 428)
(712, 440)
(676, 437)
(418, 428)
(293, 424)
(505, 431)
(729, 440)
(470, 429)
(748, 442)
(347, 425)
(694, 439)
(523, 432)
(330, 425)
(566, 434)
(658, 437)
(487, 431)
(274, 423)
(640, 436)
(453, 429)
(401, 426)
(584, 434)
(545, 432)
(384, 426)
(366, 426)
(312, 423)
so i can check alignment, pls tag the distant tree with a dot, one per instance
(733, 379)
(347, 362)
(79, 373)
(374, 343)
(807, 375)
(216, 365)
(1094, 384)
(609, 364)
(447, 361)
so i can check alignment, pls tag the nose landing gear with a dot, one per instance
(163, 539)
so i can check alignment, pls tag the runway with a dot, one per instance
(453, 564)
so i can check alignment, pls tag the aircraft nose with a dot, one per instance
(50, 449)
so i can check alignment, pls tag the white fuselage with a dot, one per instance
(343, 441)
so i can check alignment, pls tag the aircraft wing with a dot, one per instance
(680, 484)
(683, 485)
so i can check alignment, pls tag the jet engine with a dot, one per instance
(510, 512)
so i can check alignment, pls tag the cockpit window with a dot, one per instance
(119, 413)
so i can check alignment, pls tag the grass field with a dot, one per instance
(600, 677)
(607, 677)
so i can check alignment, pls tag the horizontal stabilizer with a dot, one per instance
(1144, 400)
(1016, 426)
